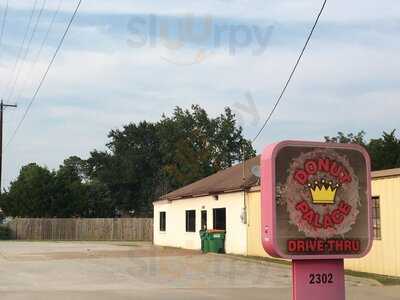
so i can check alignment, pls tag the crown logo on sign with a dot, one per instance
(323, 192)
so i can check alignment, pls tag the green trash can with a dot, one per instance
(216, 241)
(204, 241)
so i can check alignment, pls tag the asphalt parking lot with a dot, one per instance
(118, 270)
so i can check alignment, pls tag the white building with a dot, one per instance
(215, 202)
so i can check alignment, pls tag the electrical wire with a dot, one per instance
(21, 47)
(291, 74)
(45, 73)
(21, 66)
(3, 24)
(36, 59)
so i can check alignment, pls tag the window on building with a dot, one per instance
(163, 220)
(219, 218)
(204, 220)
(376, 218)
(190, 221)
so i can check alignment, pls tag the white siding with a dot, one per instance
(176, 235)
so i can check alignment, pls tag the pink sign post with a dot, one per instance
(316, 210)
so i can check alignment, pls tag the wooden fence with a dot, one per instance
(82, 229)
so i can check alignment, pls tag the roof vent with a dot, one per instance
(256, 171)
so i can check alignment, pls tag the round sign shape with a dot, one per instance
(315, 200)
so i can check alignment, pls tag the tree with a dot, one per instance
(358, 138)
(142, 162)
(195, 146)
(77, 165)
(99, 202)
(39, 193)
(69, 194)
(146, 160)
(129, 167)
(384, 152)
(30, 194)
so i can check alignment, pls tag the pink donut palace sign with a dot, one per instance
(316, 210)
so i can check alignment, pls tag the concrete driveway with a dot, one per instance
(117, 270)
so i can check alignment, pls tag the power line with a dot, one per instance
(46, 36)
(292, 73)
(27, 50)
(3, 24)
(22, 45)
(45, 73)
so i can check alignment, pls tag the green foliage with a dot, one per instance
(5, 233)
(38, 193)
(98, 201)
(358, 138)
(384, 152)
(143, 161)
(146, 160)
(194, 146)
(30, 194)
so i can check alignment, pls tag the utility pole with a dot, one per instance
(2, 107)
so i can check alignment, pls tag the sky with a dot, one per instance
(126, 61)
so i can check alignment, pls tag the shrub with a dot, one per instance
(5, 233)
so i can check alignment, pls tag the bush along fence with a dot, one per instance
(5, 233)
(125, 229)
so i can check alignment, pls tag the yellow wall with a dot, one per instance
(254, 246)
(384, 257)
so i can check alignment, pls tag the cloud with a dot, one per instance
(347, 80)
(287, 10)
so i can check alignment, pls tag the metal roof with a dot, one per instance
(225, 181)
(231, 180)
(386, 173)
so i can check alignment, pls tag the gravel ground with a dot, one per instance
(104, 270)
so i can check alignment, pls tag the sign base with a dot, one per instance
(318, 279)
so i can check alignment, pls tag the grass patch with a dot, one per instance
(271, 260)
(383, 279)
(261, 259)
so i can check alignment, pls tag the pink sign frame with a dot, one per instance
(268, 205)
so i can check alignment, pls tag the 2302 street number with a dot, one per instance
(321, 278)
